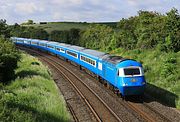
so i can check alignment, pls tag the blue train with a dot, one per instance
(125, 75)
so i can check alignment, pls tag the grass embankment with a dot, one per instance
(33, 96)
(162, 72)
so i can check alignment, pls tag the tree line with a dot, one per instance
(146, 30)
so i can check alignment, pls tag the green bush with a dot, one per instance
(9, 57)
(169, 65)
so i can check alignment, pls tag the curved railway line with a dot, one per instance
(96, 106)
(99, 107)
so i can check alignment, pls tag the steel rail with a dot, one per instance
(113, 113)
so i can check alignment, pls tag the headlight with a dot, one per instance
(125, 84)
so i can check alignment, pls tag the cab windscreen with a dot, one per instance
(131, 71)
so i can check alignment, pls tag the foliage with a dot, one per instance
(68, 36)
(169, 66)
(28, 32)
(173, 30)
(4, 31)
(146, 31)
(126, 36)
(97, 37)
(36, 33)
(8, 60)
(149, 29)
(29, 22)
(74, 35)
(33, 96)
(56, 36)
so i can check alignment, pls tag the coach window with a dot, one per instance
(19, 41)
(94, 63)
(71, 54)
(49, 46)
(41, 44)
(88, 60)
(35, 43)
(58, 49)
(62, 50)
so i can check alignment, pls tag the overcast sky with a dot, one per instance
(18, 11)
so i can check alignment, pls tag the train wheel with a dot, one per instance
(106, 85)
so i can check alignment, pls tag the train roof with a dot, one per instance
(36, 40)
(114, 59)
(104, 56)
(51, 42)
(63, 44)
(94, 53)
(43, 41)
(58, 44)
(78, 48)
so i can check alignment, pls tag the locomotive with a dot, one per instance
(125, 75)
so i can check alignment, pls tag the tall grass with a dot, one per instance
(33, 96)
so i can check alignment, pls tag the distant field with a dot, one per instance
(50, 26)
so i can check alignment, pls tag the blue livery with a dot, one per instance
(126, 75)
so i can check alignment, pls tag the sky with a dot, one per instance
(18, 11)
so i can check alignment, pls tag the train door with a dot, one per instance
(100, 70)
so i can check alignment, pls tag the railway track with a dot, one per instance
(98, 107)
(148, 116)
(157, 113)
(100, 116)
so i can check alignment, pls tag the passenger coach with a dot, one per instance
(125, 75)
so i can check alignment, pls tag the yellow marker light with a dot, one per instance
(133, 80)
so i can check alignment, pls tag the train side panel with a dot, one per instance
(110, 72)
(51, 48)
(43, 45)
(89, 62)
(34, 43)
(61, 51)
(72, 55)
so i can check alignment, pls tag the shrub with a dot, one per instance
(8, 60)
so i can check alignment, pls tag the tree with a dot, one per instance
(30, 22)
(126, 35)
(146, 30)
(97, 37)
(56, 35)
(29, 32)
(4, 29)
(173, 30)
(74, 35)
(38, 33)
